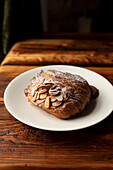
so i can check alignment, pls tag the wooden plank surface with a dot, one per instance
(77, 52)
(24, 147)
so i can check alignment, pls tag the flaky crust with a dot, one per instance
(72, 93)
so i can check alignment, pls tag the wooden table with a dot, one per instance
(24, 147)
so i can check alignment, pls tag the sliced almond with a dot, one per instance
(56, 104)
(46, 82)
(47, 102)
(35, 96)
(33, 99)
(43, 96)
(40, 88)
(40, 101)
(53, 93)
(65, 96)
(36, 87)
(53, 98)
(59, 97)
(38, 96)
(47, 86)
(32, 92)
(55, 88)
(42, 91)
(41, 81)
(33, 80)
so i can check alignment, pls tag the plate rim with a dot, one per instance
(52, 129)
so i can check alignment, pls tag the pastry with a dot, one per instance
(63, 95)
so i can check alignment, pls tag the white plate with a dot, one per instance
(17, 104)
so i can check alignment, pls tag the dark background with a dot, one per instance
(26, 19)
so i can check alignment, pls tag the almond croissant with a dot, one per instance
(62, 94)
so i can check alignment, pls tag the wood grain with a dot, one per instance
(75, 52)
(24, 147)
